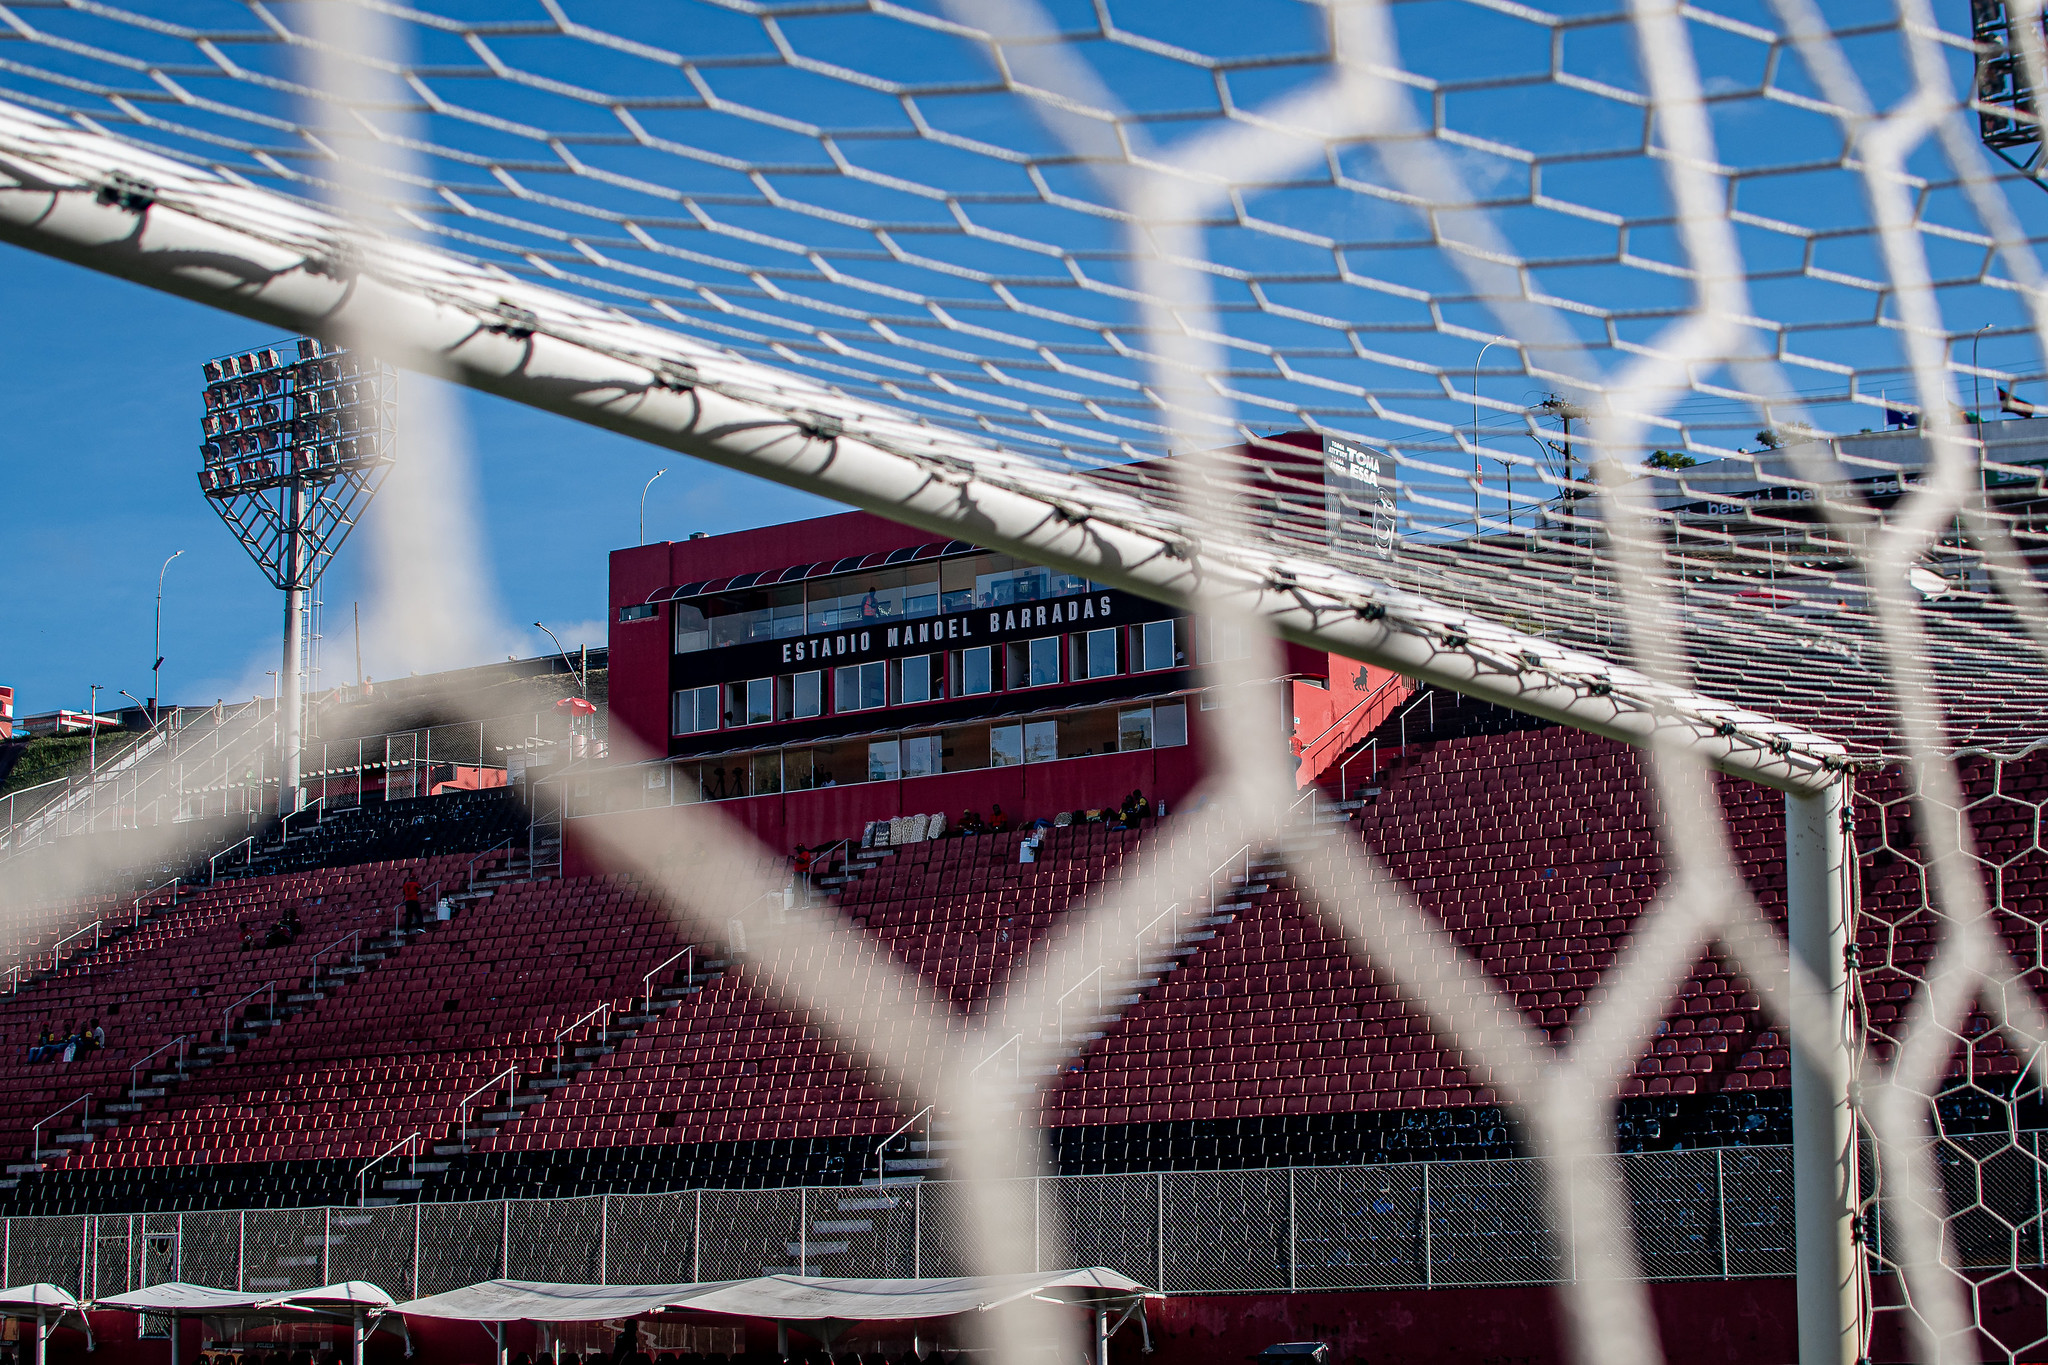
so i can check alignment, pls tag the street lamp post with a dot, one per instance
(92, 741)
(643, 506)
(1478, 473)
(156, 669)
(582, 689)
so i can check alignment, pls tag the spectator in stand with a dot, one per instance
(74, 1044)
(95, 1037)
(44, 1045)
(412, 900)
(971, 823)
(1142, 809)
(248, 935)
(997, 821)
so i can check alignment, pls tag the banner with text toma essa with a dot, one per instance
(892, 638)
(1358, 488)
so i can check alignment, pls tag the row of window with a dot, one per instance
(1021, 664)
(937, 588)
(956, 748)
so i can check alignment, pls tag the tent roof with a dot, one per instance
(793, 1298)
(179, 1297)
(19, 1299)
(534, 1301)
(789, 1298)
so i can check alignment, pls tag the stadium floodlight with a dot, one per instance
(297, 439)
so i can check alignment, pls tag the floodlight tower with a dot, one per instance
(2007, 121)
(299, 437)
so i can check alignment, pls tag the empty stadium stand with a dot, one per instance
(640, 1059)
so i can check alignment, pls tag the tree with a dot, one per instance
(1665, 459)
(1768, 439)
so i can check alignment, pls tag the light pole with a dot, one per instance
(581, 689)
(643, 509)
(92, 742)
(156, 669)
(1977, 380)
(1479, 474)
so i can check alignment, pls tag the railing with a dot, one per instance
(57, 948)
(647, 981)
(178, 1042)
(469, 882)
(284, 821)
(1060, 1006)
(411, 1140)
(882, 1148)
(213, 863)
(603, 1014)
(510, 1075)
(227, 1015)
(354, 937)
(1427, 698)
(36, 1130)
(171, 886)
(430, 894)
(1014, 1045)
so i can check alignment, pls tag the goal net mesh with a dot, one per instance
(1666, 348)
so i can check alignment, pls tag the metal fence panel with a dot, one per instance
(557, 1241)
(946, 1219)
(374, 1245)
(1106, 1220)
(1225, 1230)
(1756, 1202)
(749, 1232)
(1359, 1227)
(1676, 1203)
(47, 1250)
(460, 1244)
(866, 1232)
(284, 1248)
(1486, 1224)
(650, 1238)
(113, 1258)
(210, 1249)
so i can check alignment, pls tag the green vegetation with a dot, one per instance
(1664, 459)
(49, 757)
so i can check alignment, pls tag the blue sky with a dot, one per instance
(579, 161)
(98, 458)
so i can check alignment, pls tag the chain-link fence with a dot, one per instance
(1698, 1215)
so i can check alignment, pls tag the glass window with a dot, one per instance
(885, 760)
(976, 671)
(1160, 647)
(1101, 653)
(860, 687)
(1041, 741)
(760, 702)
(1005, 745)
(692, 634)
(921, 755)
(1169, 725)
(807, 695)
(639, 611)
(916, 684)
(1045, 661)
(1087, 732)
(765, 770)
(964, 749)
(696, 710)
(1134, 729)
(956, 584)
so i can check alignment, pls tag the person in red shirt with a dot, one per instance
(412, 901)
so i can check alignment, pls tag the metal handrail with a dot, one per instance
(469, 883)
(355, 954)
(1429, 696)
(178, 1042)
(1014, 1040)
(227, 1014)
(36, 1129)
(509, 1074)
(429, 894)
(561, 1052)
(647, 981)
(57, 948)
(284, 821)
(921, 1116)
(171, 885)
(213, 863)
(411, 1140)
(1060, 1005)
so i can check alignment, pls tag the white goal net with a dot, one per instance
(1655, 363)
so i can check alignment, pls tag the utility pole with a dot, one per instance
(156, 669)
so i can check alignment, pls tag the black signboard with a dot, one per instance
(894, 638)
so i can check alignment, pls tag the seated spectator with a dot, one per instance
(997, 820)
(248, 937)
(970, 822)
(74, 1043)
(1142, 809)
(95, 1036)
(45, 1044)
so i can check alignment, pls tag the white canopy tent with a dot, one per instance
(45, 1305)
(823, 1307)
(355, 1302)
